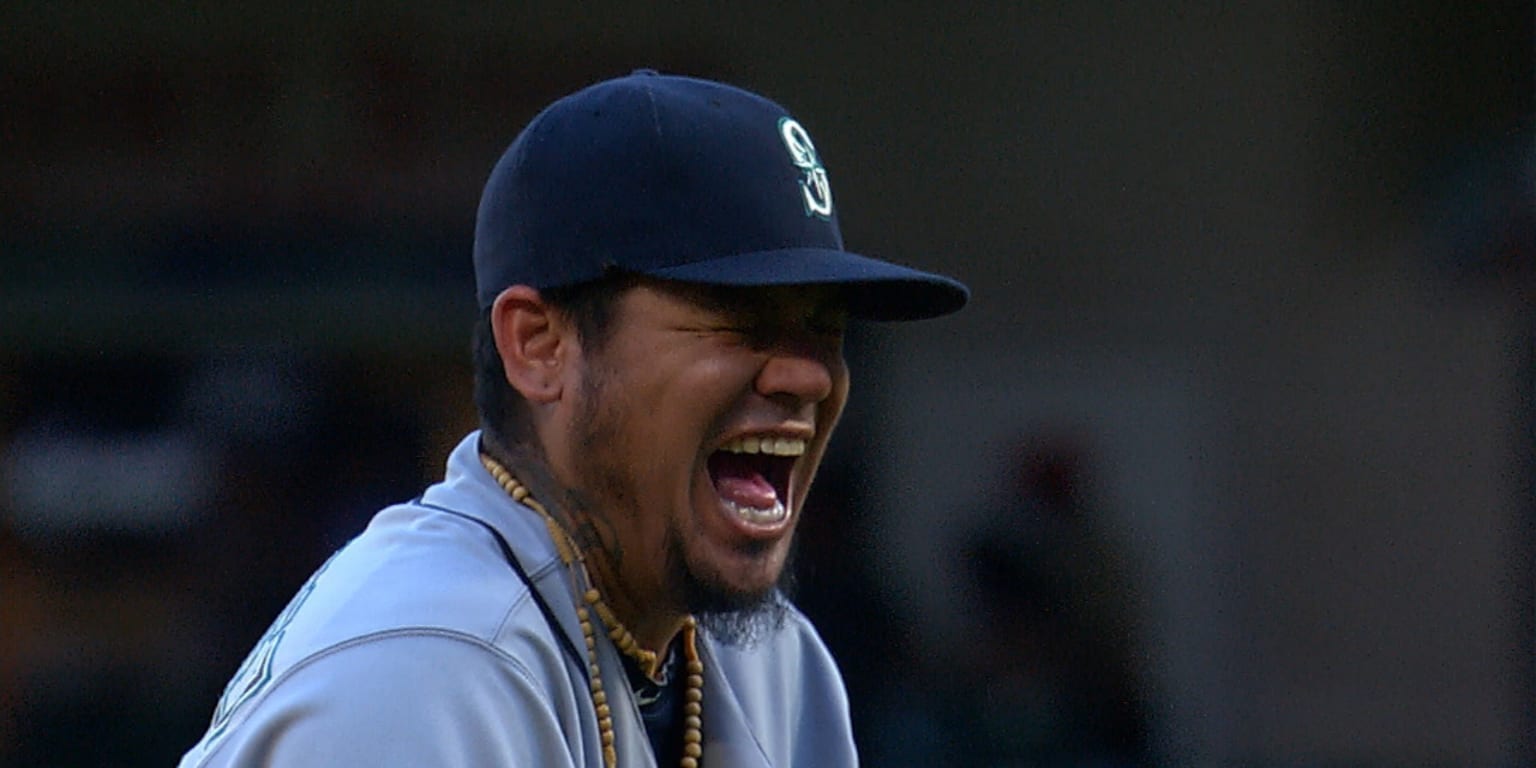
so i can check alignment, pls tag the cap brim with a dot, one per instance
(876, 290)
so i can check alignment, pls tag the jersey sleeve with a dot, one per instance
(400, 700)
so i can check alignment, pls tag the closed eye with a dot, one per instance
(743, 334)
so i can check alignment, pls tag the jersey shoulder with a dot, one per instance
(396, 698)
(415, 572)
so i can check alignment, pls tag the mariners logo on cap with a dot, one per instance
(814, 186)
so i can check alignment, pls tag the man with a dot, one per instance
(659, 366)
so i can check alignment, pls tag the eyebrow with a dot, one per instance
(752, 300)
(720, 299)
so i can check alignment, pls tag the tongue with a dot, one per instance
(737, 481)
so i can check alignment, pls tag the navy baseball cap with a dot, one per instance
(683, 179)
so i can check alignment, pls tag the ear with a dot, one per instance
(535, 341)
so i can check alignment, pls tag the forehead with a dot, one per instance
(759, 301)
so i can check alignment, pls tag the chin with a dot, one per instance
(740, 614)
(712, 592)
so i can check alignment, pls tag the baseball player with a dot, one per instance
(659, 366)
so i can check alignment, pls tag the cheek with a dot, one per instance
(678, 414)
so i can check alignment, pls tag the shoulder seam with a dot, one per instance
(250, 706)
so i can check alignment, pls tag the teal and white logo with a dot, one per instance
(256, 672)
(814, 186)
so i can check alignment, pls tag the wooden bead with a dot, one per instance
(693, 750)
(690, 762)
(691, 736)
(693, 721)
(693, 708)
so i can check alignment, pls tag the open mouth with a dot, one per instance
(751, 475)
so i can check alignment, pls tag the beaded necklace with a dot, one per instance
(571, 555)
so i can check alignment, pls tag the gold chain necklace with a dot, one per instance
(570, 554)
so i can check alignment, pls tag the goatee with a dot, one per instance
(735, 618)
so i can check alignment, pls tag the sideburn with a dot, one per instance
(595, 426)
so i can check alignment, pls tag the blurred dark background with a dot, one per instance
(1229, 462)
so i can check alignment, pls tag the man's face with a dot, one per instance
(699, 427)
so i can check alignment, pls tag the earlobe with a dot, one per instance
(530, 336)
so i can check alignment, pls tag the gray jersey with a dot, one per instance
(419, 643)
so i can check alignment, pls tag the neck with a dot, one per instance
(652, 626)
(595, 543)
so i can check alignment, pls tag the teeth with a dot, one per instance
(773, 446)
(759, 516)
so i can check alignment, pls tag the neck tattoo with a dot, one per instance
(571, 555)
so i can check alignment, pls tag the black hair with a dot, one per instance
(504, 414)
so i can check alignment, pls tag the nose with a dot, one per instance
(804, 376)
